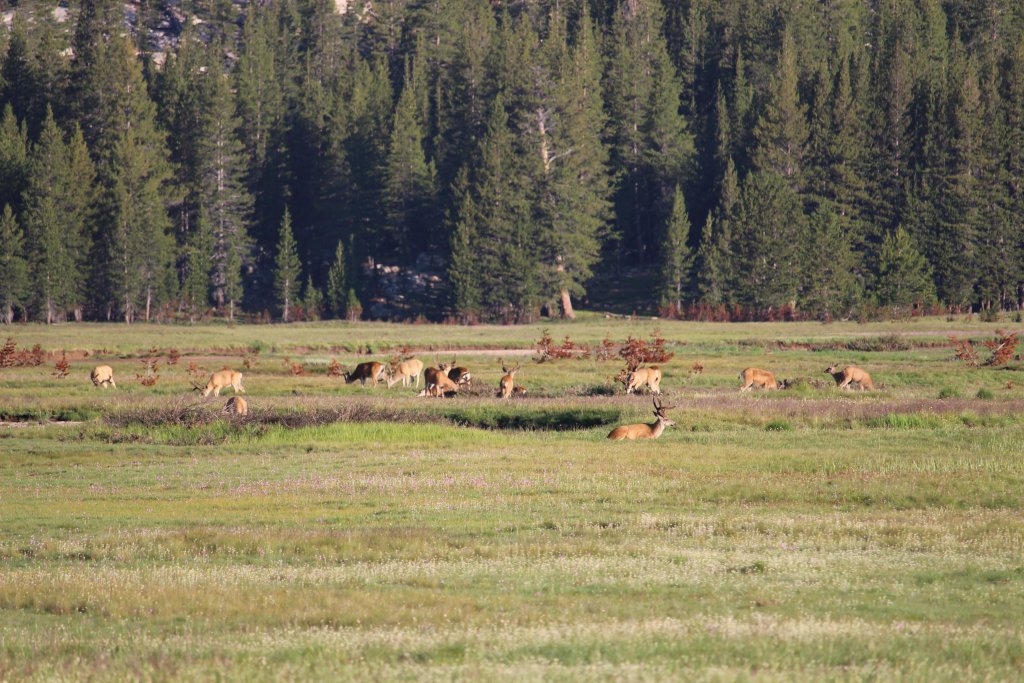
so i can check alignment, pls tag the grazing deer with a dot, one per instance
(756, 377)
(643, 430)
(507, 384)
(237, 406)
(460, 375)
(405, 372)
(222, 379)
(438, 383)
(851, 374)
(102, 375)
(371, 370)
(651, 377)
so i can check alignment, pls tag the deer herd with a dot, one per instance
(447, 379)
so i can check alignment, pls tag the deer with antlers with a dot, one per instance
(460, 375)
(644, 430)
(507, 385)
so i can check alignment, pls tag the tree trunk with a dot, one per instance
(567, 312)
(149, 301)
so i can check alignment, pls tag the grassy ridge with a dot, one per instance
(343, 533)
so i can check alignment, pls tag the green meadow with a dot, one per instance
(341, 532)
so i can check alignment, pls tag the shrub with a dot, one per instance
(949, 392)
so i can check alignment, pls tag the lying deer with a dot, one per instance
(642, 430)
(237, 406)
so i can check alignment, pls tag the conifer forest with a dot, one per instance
(496, 160)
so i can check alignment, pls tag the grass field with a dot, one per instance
(348, 533)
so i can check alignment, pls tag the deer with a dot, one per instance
(460, 375)
(756, 377)
(371, 370)
(507, 385)
(644, 430)
(102, 375)
(237, 407)
(437, 382)
(405, 372)
(221, 379)
(651, 377)
(850, 374)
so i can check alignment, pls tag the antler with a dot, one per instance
(659, 408)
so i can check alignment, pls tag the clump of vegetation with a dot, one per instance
(62, 367)
(334, 368)
(29, 358)
(149, 375)
(985, 394)
(548, 350)
(948, 392)
(1002, 347)
(173, 356)
(295, 369)
(778, 425)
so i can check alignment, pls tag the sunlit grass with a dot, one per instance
(347, 533)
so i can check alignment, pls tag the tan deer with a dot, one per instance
(102, 375)
(236, 407)
(507, 384)
(370, 370)
(437, 382)
(850, 374)
(460, 375)
(222, 379)
(643, 430)
(405, 372)
(752, 377)
(651, 377)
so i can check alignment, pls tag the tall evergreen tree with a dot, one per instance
(409, 183)
(337, 283)
(676, 259)
(287, 269)
(903, 277)
(828, 288)
(58, 203)
(13, 158)
(14, 283)
(781, 133)
(226, 202)
(765, 247)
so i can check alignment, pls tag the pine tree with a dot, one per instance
(58, 202)
(903, 276)
(137, 247)
(287, 268)
(709, 282)
(14, 283)
(828, 287)
(768, 227)
(226, 203)
(781, 133)
(409, 182)
(312, 300)
(195, 285)
(495, 223)
(337, 284)
(13, 158)
(676, 260)
(650, 145)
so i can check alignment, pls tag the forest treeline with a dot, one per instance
(758, 158)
